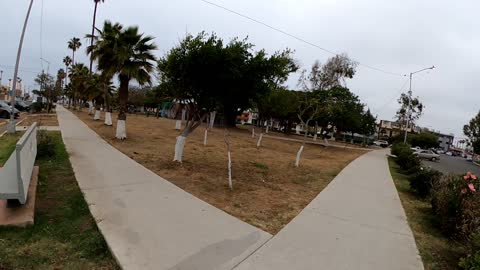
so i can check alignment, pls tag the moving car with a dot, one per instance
(381, 143)
(6, 110)
(427, 154)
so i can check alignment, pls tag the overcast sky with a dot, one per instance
(398, 36)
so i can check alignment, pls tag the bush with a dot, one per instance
(405, 157)
(45, 144)
(456, 204)
(37, 107)
(423, 181)
(471, 262)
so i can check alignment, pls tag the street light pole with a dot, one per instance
(11, 125)
(410, 100)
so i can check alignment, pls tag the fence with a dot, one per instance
(16, 173)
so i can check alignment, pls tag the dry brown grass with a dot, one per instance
(41, 119)
(268, 190)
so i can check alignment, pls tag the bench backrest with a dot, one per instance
(16, 174)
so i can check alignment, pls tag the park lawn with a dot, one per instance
(7, 146)
(437, 251)
(268, 190)
(65, 235)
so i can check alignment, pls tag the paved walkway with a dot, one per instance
(356, 222)
(311, 141)
(148, 222)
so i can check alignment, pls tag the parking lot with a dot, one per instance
(449, 164)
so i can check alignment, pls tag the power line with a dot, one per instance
(296, 37)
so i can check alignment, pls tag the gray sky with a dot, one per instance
(398, 36)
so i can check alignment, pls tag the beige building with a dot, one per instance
(388, 129)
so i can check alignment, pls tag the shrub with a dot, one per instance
(45, 144)
(37, 107)
(423, 180)
(472, 258)
(405, 157)
(456, 204)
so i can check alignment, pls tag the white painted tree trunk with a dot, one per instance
(253, 132)
(315, 137)
(230, 171)
(326, 141)
(179, 148)
(205, 137)
(108, 118)
(178, 124)
(297, 129)
(121, 130)
(259, 142)
(184, 113)
(299, 154)
(212, 118)
(90, 107)
(266, 129)
(97, 115)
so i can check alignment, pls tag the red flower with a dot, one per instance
(471, 187)
(474, 177)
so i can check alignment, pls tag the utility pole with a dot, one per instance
(409, 109)
(1, 76)
(11, 125)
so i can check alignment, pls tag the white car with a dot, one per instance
(469, 158)
(381, 143)
(449, 153)
(427, 154)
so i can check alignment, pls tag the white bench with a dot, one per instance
(15, 175)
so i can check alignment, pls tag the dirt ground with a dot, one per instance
(268, 190)
(41, 119)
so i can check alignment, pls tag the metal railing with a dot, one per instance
(16, 174)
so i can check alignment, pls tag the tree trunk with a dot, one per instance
(230, 116)
(93, 32)
(108, 111)
(97, 111)
(180, 144)
(122, 107)
(73, 56)
(205, 137)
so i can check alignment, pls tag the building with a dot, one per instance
(445, 141)
(388, 129)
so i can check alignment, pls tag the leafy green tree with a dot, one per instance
(209, 75)
(472, 131)
(128, 53)
(48, 90)
(280, 104)
(410, 110)
(74, 44)
(424, 140)
(368, 124)
(67, 61)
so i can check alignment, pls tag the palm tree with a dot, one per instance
(128, 53)
(93, 28)
(67, 61)
(79, 79)
(74, 44)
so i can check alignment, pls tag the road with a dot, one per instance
(448, 164)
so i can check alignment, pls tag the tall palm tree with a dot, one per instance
(74, 44)
(67, 61)
(79, 79)
(127, 53)
(93, 28)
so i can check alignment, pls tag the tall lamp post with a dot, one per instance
(410, 100)
(11, 125)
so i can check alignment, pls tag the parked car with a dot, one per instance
(449, 153)
(381, 143)
(416, 149)
(469, 158)
(21, 106)
(427, 154)
(440, 151)
(6, 110)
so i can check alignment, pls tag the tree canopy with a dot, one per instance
(228, 76)
(472, 131)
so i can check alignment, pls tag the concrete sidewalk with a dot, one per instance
(356, 222)
(148, 222)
